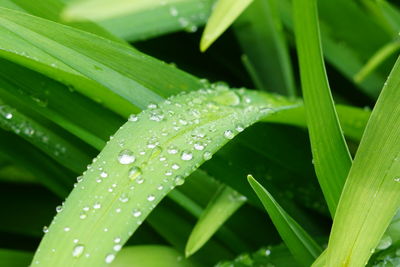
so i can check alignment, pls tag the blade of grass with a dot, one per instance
(43, 138)
(377, 59)
(332, 159)
(130, 191)
(223, 15)
(260, 34)
(225, 202)
(150, 256)
(301, 245)
(373, 179)
(51, 9)
(56, 102)
(89, 63)
(141, 23)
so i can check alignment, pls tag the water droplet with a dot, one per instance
(117, 240)
(67, 229)
(179, 180)
(82, 216)
(97, 206)
(151, 198)
(79, 179)
(160, 187)
(133, 117)
(103, 174)
(385, 242)
(8, 116)
(228, 134)
(126, 157)
(207, 155)
(175, 166)
(173, 11)
(86, 208)
(45, 229)
(78, 251)
(186, 155)
(124, 198)
(109, 258)
(239, 128)
(172, 150)
(152, 106)
(397, 179)
(135, 173)
(59, 208)
(199, 146)
(136, 213)
(117, 247)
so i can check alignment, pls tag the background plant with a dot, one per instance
(73, 72)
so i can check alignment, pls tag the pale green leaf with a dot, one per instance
(301, 245)
(150, 256)
(371, 195)
(226, 202)
(183, 132)
(223, 15)
(332, 159)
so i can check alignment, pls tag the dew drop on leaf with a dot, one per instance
(109, 258)
(186, 155)
(136, 213)
(135, 173)
(179, 180)
(78, 251)
(228, 134)
(126, 157)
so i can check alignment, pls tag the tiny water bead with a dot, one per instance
(172, 150)
(175, 166)
(135, 173)
(67, 229)
(179, 180)
(133, 118)
(186, 155)
(126, 157)
(207, 155)
(229, 134)
(397, 179)
(45, 229)
(151, 198)
(136, 213)
(97, 206)
(103, 174)
(124, 198)
(117, 247)
(109, 258)
(78, 251)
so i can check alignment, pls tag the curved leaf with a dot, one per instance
(147, 157)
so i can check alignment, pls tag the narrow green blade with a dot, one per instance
(373, 179)
(260, 33)
(301, 245)
(150, 256)
(332, 159)
(106, 71)
(226, 202)
(223, 15)
(145, 159)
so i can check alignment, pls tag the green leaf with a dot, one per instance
(300, 244)
(141, 20)
(43, 137)
(377, 59)
(106, 71)
(225, 202)
(332, 159)
(51, 9)
(184, 132)
(373, 180)
(223, 15)
(14, 258)
(150, 256)
(261, 36)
